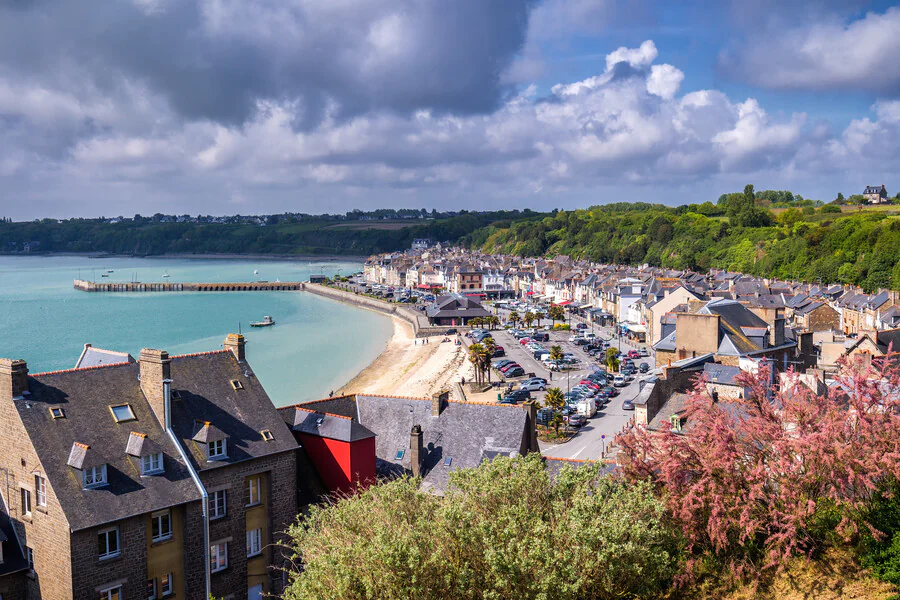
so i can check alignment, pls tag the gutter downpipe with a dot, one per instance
(167, 394)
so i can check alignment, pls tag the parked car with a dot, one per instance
(643, 367)
(542, 337)
(515, 372)
(627, 405)
(634, 354)
(644, 352)
(613, 391)
(544, 416)
(451, 331)
(509, 366)
(518, 395)
(581, 326)
(541, 379)
(577, 420)
(533, 386)
(498, 351)
(524, 340)
(499, 364)
(619, 381)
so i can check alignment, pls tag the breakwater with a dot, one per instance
(136, 286)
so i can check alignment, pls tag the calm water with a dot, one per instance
(317, 345)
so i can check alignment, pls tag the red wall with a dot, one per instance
(341, 464)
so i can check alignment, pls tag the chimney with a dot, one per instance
(776, 332)
(13, 378)
(154, 371)
(531, 408)
(415, 450)
(235, 342)
(438, 401)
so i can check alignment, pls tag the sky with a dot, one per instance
(267, 106)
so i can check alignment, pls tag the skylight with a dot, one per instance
(267, 435)
(122, 413)
(57, 412)
(237, 384)
(400, 454)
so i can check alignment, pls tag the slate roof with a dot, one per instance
(95, 357)
(332, 426)
(465, 433)
(721, 374)
(205, 394)
(454, 305)
(86, 395)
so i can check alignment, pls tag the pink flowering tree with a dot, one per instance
(755, 481)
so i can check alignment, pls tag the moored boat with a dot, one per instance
(266, 322)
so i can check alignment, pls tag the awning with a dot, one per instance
(583, 306)
(564, 303)
(635, 327)
(476, 294)
(529, 293)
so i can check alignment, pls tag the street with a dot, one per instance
(589, 442)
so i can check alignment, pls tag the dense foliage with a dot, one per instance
(504, 530)
(144, 236)
(861, 246)
(755, 481)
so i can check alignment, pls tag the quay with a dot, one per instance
(136, 286)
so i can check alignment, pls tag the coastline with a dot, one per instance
(262, 257)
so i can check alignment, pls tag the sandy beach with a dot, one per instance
(410, 367)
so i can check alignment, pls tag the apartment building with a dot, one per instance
(168, 477)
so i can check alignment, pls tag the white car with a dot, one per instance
(619, 381)
(533, 386)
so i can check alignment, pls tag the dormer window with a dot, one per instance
(216, 450)
(122, 413)
(152, 464)
(95, 476)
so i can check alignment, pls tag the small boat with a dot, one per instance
(104, 274)
(256, 271)
(266, 322)
(166, 274)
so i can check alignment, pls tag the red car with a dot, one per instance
(510, 366)
(524, 341)
(634, 354)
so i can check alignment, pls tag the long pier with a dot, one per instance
(137, 286)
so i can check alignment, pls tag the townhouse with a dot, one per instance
(165, 477)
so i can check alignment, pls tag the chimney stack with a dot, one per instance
(154, 371)
(531, 408)
(438, 401)
(13, 378)
(235, 342)
(415, 450)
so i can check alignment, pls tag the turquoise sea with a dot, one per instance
(316, 346)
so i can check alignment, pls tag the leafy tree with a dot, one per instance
(755, 481)
(831, 209)
(556, 313)
(612, 359)
(506, 529)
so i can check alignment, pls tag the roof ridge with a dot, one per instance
(78, 369)
(107, 350)
(206, 353)
(320, 412)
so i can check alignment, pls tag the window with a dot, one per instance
(167, 585)
(95, 476)
(40, 488)
(1, 558)
(253, 491)
(161, 525)
(218, 557)
(237, 384)
(152, 464)
(254, 542)
(400, 454)
(267, 435)
(447, 461)
(113, 593)
(151, 589)
(216, 449)
(57, 412)
(26, 502)
(217, 505)
(122, 412)
(29, 554)
(108, 543)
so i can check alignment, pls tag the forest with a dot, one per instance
(745, 232)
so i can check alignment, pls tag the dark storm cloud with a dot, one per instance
(214, 60)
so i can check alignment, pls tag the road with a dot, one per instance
(589, 442)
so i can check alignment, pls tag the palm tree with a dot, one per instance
(476, 322)
(495, 321)
(529, 318)
(475, 357)
(556, 401)
(556, 353)
(514, 317)
(486, 355)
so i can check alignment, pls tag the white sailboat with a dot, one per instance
(166, 274)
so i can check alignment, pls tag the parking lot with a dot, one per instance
(591, 439)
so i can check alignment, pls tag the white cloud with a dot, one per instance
(826, 54)
(664, 81)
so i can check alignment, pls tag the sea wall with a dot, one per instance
(418, 321)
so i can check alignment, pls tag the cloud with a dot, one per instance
(822, 55)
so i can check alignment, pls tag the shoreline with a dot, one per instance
(270, 257)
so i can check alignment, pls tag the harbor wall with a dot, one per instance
(137, 286)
